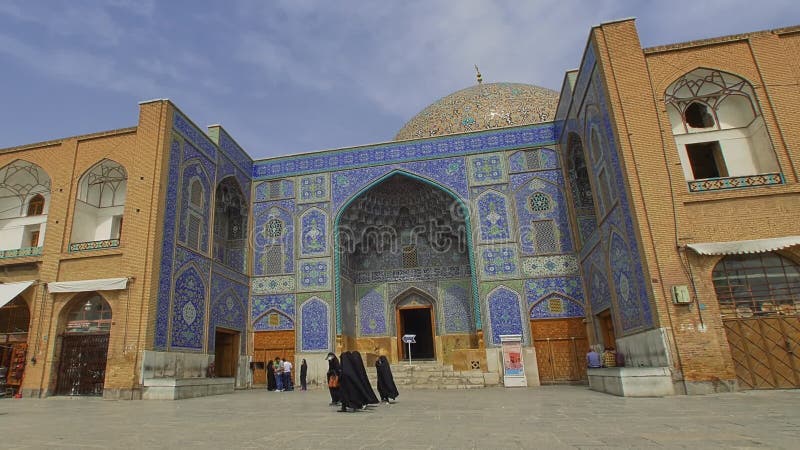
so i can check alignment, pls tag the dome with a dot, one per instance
(483, 107)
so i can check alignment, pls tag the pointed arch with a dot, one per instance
(262, 322)
(505, 312)
(313, 236)
(314, 324)
(188, 309)
(547, 307)
(231, 210)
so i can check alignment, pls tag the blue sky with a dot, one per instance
(300, 75)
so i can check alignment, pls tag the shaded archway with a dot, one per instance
(400, 229)
(230, 225)
(86, 322)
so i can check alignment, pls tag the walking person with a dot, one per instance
(386, 387)
(288, 384)
(333, 376)
(303, 374)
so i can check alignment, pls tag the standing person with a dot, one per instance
(271, 376)
(303, 374)
(386, 387)
(288, 385)
(278, 374)
(334, 368)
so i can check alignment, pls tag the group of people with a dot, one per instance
(349, 385)
(279, 375)
(609, 358)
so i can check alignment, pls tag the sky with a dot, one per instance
(291, 76)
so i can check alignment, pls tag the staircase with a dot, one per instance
(433, 375)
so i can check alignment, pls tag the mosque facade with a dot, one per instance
(650, 206)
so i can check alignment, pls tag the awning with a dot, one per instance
(741, 247)
(10, 290)
(105, 284)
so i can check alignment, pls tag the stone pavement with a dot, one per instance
(493, 418)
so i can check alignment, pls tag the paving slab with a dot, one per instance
(551, 417)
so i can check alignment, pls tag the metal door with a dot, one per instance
(82, 366)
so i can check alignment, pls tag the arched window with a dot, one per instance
(760, 284)
(36, 205)
(230, 222)
(718, 127)
(98, 212)
(89, 314)
(196, 194)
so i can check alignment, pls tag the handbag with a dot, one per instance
(333, 381)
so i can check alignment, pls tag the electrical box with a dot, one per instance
(680, 294)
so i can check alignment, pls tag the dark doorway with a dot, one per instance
(417, 321)
(226, 354)
(82, 366)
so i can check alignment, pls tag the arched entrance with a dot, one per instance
(398, 234)
(415, 314)
(14, 322)
(84, 346)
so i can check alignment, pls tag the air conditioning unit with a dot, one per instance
(680, 294)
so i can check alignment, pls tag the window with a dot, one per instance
(545, 236)
(697, 116)
(90, 315)
(273, 260)
(540, 202)
(34, 239)
(706, 160)
(274, 189)
(763, 284)
(101, 201)
(410, 256)
(532, 160)
(274, 228)
(36, 205)
(193, 232)
(196, 194)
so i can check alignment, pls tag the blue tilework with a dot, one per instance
(558, 213)
(499, 262)
(487, 169)
(285, 190)
(504, 313)
(264, 212)
(545, 159)
(626, 290)
(538, 288)
(188, 312)
(167, 249)
(555, 307)
(600, 294)
(449, 173)
(493, 217)
(397, 152)
(240, 158)
(263, 305)
(314, 324)
(185, 127)
(313, 188)
(457, 309)
(314, 274)
(195, 171)
(227, 311)
(314, 233)
(372, 312)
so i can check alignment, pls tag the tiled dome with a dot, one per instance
(483, 107)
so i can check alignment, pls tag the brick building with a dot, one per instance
(649, 207)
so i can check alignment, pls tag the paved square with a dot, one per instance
(547, 417)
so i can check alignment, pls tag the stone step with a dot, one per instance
(437, 377)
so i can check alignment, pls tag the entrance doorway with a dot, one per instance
(607, 329)
(418, 321)
(266, 346)
(561, 346)
(84, 347)
(226, 352)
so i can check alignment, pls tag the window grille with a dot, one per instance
(545, 236)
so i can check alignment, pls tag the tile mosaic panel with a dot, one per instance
(493, 217)
(539, 288)
(314, 233)
(262, 306)
(314, 324)
(168, 248)
(314, 274)
(273, 285)
(240, 158)
(394, 289)
(533, 159)
(504, 313)
(189, 307)
(193, 134)
(544, 266)
(498, 262)
(541, 199)
(413, 274)
(627, 293)
(398, 152)
(555, 307)
(313, 188)
(487, 169)
(371, 310)
(191, 171)
(456, 304)
(274, 190)
(227, 311)
(273, 226)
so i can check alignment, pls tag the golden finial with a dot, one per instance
(480, 78)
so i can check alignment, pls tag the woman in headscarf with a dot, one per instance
(270, 376)
(334, 368)
(351, 390)
(371, 399)
(386, 386)
(303, 374)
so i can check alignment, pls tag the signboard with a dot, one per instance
(513, 367)
(409, 338)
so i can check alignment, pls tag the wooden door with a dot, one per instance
(561, 346)
(765, 351)
(269, 344)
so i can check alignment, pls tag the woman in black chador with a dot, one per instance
(354, 394)
(270, 376)
(303, 374)
(362, 375)
(334, 368)
(386, 386)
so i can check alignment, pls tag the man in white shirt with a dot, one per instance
(287, 376)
